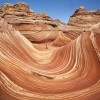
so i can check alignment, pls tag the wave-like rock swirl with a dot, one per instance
(33, 72)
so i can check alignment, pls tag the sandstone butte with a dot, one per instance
(45, 59)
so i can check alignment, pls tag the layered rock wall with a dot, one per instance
(84, 19)
(26, 21)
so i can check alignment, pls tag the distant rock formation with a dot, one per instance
(84, 19)
(21, 13)
(28, 22)
(81, 21)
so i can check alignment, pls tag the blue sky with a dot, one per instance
(57, 9)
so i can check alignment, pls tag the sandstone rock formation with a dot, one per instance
(26, 21)
(42, 59)
(81, 21)
(35, 72)
(84, 19)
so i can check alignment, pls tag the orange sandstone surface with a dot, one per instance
(52, 64)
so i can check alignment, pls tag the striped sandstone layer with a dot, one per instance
(57, 70)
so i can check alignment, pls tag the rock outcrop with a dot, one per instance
(84, 19)
(28, 22)
(81, 21)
